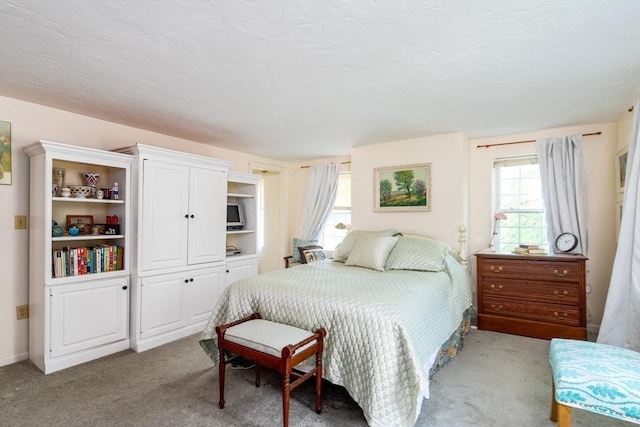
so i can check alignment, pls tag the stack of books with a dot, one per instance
(78, 261)
(529, 250)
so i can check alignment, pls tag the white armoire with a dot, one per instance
(179, 256)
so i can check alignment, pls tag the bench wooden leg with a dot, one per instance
(564, 415)
(257, 375)
(318, 383)
(285, 399)
(221, 366)
(554, 404)
(559, 412)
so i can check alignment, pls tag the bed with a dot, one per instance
(391, 306)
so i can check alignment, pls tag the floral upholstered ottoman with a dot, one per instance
(595, 377)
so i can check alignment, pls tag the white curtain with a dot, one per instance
(562, 174)
(319, 197)
(621, 321)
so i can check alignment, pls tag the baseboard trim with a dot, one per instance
(10, 360)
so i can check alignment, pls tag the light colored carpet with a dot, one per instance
(497, 380)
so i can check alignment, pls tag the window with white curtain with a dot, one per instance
(517, 191)
(341, 213)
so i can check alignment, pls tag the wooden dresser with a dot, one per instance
(536, 296)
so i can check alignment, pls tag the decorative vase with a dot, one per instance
(91, 179)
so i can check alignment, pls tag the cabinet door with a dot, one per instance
(207, 204)
(164, 223)
(203, 291)
(163, 303)
(88, 315)
(240, 270)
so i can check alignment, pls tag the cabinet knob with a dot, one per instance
(193, 216)
(186, 216)
(496, 307)
(191, 280)
(186, 280)
(227, 271)
(124, 288)
(496, 288)
(563, 294)
(556, 314)
(560, 274)
(497, 269)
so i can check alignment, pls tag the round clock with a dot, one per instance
(566, 242)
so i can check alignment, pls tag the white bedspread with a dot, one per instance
(383, 328)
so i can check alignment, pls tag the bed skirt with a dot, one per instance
(451, 347)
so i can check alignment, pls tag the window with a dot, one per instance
(518, 194)
(341, 213)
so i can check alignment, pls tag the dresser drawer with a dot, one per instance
(532, 290)
(566, 271)
(532, 310)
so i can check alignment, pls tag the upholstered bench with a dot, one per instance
(595, 377)
(274, 346)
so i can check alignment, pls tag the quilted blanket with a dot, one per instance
(384, 329)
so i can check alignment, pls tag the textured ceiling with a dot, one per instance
(303, 79)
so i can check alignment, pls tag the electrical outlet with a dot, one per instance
(22, 311)
(20, 222)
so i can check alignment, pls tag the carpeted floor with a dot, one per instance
(497, 380)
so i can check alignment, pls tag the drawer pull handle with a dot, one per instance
(560, 274)
(496, 269)
(563, 294)
(556, 314)
(499, 307)
(496, 288)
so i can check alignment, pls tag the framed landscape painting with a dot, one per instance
(5, 153)
(403, 188)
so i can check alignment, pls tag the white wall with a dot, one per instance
(29, 123)
(599, 153)
(448, 155)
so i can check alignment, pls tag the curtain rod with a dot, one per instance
(529, 140)
(308, 166)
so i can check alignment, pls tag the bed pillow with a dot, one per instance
(417, 253)
(313, 248)
(297, 243)
(371, 252)
(345, 247)
(310, 256)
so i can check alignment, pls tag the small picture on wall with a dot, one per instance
(5, 153)
(403, 188)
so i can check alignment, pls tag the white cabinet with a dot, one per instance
(176, 301)
(183, 212)
(242, 258)
(241, 268)
(88, 315)
(179, 268)
(78, 284)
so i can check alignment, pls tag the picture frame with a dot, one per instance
(83, 222)
(621, 168)
(405, 188)
(5, 153)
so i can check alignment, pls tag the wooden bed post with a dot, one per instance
(462, 238)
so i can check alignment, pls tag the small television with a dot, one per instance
(235, 216)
